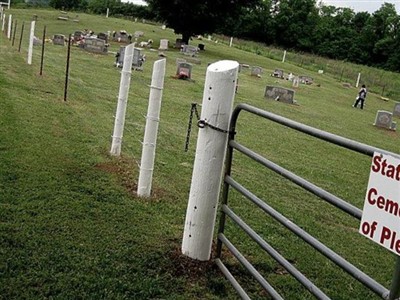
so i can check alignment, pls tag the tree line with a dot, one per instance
(299, 25)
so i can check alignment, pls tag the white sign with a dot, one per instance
(380, 221)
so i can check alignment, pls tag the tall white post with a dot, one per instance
(284, 56)
(218, 96)
(150, 135)
(1, 13)
(108, 10)
(9, 26)
(30, 49)
(358, 79)
(122, 101)
(4, 22)
(231, 41)
(9, 2)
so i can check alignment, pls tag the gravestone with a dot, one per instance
(95, 45)
(163, 44)
(277, 73)
(396, 110)
(296, 82)
(138, 59)
(37, 41)
(138, 34)
(178, 43)
(279, 94)
(121, 37)
(59, 39)
(78, 35)
(180, 60)
(256, 71)
(384, 120)
(184, 71)
(189, 50)
(306, 79)
(103, 36)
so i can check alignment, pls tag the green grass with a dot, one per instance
(71, 225)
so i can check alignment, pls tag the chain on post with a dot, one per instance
(193, 109)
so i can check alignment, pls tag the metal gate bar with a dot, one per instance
(332, 199)
(274, 254)
(333, 256)
(328, 197)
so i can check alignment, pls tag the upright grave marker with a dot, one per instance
(95, 45)
(396, 110)
(256, 71)
(381, 214)
(384, 119)
(279, 94)
(59, 39)
(184, 70)
(163, 44)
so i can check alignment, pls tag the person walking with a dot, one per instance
(362, 94)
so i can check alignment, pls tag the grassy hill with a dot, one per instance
(71, 225)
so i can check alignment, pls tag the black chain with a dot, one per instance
(193, 109)
(201, 124)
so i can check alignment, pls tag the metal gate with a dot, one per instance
(226, 211)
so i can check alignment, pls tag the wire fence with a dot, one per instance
(381, 82)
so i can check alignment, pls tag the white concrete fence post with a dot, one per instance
(3, 23)
(218, 96)
(108, 11)
(122, 101)
(231, 42)
(9, 26)
(358, 79)
(150, 134)
(284, 56)
(30, 49)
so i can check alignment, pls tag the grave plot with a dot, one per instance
(279, 94)
(384, 120)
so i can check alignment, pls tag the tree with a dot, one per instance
(196, 17)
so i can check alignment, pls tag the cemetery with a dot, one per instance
(74, 223)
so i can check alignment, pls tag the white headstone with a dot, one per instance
(163, 44)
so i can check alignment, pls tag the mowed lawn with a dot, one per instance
(71, 225)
